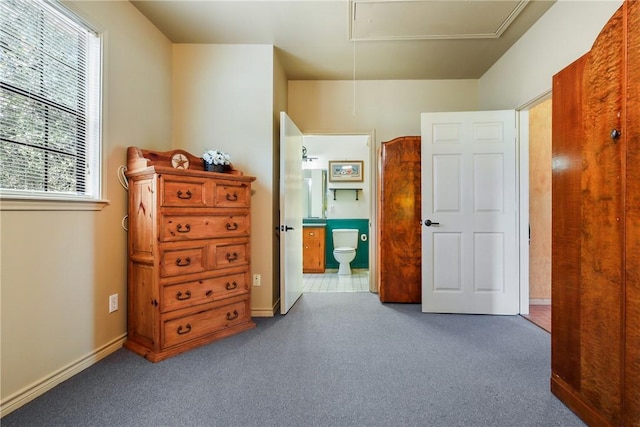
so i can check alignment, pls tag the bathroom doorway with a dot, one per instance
(338, 202)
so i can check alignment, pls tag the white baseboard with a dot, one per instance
(40, 387)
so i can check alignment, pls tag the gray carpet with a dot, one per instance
(337, 359)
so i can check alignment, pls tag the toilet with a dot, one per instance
(345, 242)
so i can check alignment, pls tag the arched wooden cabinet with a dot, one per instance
(596, 227)
(399, 233)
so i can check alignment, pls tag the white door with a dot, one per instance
(469, 213)
(290, 213)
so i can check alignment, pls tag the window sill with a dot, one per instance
(43, 204)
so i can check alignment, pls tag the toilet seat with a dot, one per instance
(344, 249)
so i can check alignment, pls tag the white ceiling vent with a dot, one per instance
(431, 19)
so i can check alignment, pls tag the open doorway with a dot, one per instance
(337, 202)
(539, 175)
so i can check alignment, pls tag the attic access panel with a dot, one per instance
(431, 19)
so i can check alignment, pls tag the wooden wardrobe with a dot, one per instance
(399, 230)
(596, 227)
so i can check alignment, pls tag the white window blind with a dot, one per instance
(49, 102)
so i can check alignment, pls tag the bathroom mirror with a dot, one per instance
(314, 193)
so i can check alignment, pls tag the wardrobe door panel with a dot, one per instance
(566, 224)
(602, 274)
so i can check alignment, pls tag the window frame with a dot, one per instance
(91, 198)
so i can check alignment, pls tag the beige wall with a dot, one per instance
(562, 35)
(59, 267)
(223, 97)
(540, 201)
(391, 107)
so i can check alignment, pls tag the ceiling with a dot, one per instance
(361, 39)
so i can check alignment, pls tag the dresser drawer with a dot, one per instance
(197, 325)
(188, 294)
(233, 254)
(183, 191)
(175, 261)
(197, 256)
(191, 227)
(230, 194)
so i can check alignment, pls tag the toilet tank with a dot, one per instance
(345, 238)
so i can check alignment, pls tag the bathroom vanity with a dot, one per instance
(314, 232)
(313, 248)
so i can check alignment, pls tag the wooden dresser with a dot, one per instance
(313, 249)
(188, 253)
(595, 329)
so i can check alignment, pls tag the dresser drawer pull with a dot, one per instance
(232, 257)
(185, 330)
(232, 197)
(181, 297)
(208, 293)
(179, 229)
(187, 261)
(187, 195)
(231, 316)
(231, 227)
(232, 286)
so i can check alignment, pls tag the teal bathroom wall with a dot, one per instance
(362, 252)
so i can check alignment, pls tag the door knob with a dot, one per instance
(285, 228)
(428, 223)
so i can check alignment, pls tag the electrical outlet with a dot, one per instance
(256, 280)
(113, 303)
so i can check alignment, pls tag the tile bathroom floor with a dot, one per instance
(331, 281)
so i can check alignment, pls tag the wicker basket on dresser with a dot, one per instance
(188, 253)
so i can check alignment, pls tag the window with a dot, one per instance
(49, 103)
